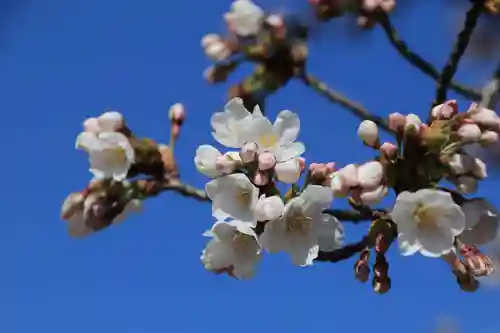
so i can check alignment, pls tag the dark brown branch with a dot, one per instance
(354, 216)
(153, 187)
(344, 253)
(458, 51)
(416, 60)
(357, 109)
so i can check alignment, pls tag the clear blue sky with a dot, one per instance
(62, 61)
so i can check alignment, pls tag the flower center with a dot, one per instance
(116, 156)
(243, 197)
(425, 217)
(267, 141)
(241, 241)
(298, 223)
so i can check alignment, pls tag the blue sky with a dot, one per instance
(62, 61)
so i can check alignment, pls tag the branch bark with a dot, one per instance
(416, 60)
(458, 51)
(346, 252)
(357, 109)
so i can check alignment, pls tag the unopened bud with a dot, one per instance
(177, 113)
(412, 125)
(381, 286)
(368, 132)
(488, 138)
(397, 121)
(267, 161)
(389, 150)
(248, 152)
(469, 133)
(209, 39)
(261, 178)
(478, 263)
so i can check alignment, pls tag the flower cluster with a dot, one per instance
(115, 155)
(252, 216)
(365, 10)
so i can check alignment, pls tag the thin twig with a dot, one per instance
(357, 109)
(186, 190)
(344, 253)
(491, 91)
(458, 51)
(416, 60)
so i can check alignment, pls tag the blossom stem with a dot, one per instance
(344, 252)
(458, 51)
(357, 109)
(416, 60)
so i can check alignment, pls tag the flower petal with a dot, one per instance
(286, 127)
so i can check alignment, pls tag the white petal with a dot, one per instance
(329, 232)
(408, 243)
(110, 121)
(217, 255)
(289, 151)
(225, 193)
(287, 126)
(87, 141)
(269, 208)
(375, 196)
(370, 174)
(316, 199)
(436, 243)
(482, 222)
(236, 108)
(304, 252)
(274, 238)
(204, 160)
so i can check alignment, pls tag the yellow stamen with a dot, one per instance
(241, 241)
(268, 141)
(425, 217)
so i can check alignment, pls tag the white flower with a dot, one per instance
(303, 227)
(234, 248)
(428, 222)
(269, 208)
(482, 222)
(246, 18)
(234, 196)
(110, 154)
(109, 121)
(80, 213)
(368, 132)
(210, 162)
(278, 138)
(227, 126)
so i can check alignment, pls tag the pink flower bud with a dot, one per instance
(483, 116)
(266, 161)
(389, 149)
(368, 132)
(397, 121)
(488, 138)
(248, 152)
(413, 123)
(302, 163)
(445, 110)
(469, 133)
(177, 113)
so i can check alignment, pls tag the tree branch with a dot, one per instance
(354, 216)
(153, 187)
(491, 91)
(416, 60)
(458, 51)
(344, 253)
(357, 109)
